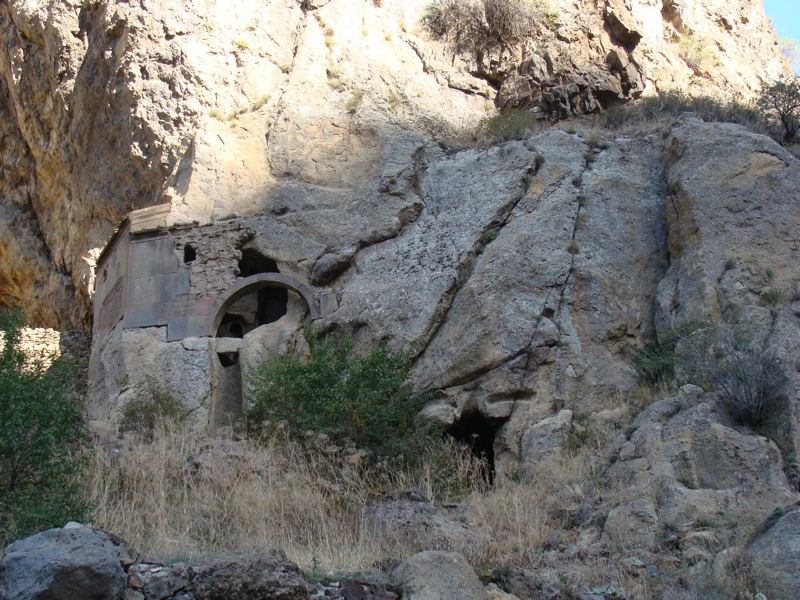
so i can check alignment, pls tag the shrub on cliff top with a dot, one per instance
(781, 101)
(41, 440)
(472, 24)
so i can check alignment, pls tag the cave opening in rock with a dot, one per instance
(228, 359)
(264, 304)
(477, 432)
(253, 262)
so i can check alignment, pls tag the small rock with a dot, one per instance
(495, 593)
(632, 565)
(435, 575)
(692, 556)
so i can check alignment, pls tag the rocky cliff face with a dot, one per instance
(253, 107)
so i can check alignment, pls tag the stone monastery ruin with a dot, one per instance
(183, 306)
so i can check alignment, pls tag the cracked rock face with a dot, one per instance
(524, 274)
(246, 107)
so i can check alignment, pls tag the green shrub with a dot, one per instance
(509, 124)
(655, 362)
(150, 408)
(781, 101)
(41, 441)
(352, 399)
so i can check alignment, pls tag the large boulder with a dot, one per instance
(425, 526)
(70, 563)
(773, 556)
(688, 456)
(268, 576)
(262, 577)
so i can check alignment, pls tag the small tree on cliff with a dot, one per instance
(781, 101)
(41, 440)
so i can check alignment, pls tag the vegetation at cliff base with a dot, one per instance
(41, 440)
(352, 399)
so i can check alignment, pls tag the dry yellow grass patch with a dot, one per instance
(183, 497)
(179, 497)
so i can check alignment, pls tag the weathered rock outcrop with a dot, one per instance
(687, 455)
(773, 556)
(110, 106)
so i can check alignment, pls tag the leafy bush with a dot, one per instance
(655, 361)
(41, 441)
(151, 408)
(781, 101)
(359, 400)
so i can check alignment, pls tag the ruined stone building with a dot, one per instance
(181, 310)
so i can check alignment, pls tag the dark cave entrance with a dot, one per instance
(477, 432)
(262, 305)
(270, 301)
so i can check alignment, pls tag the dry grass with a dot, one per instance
(523, 516)
(183, 497)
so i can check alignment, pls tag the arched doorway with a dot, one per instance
(256, 300)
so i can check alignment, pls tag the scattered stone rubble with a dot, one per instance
(79, 563)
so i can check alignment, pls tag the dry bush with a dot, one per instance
(739, 365)
(470, 25)
(653, 112)
(699, 53)
(780, 101)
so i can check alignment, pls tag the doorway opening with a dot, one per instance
(261, 305)
(477, 432)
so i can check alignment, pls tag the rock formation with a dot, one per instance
(314, 142)
(108, 107)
